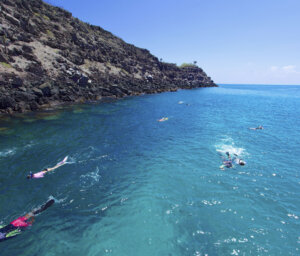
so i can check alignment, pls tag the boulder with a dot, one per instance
(3, 58)
(76, 76)
(7, 102)
(83, 81)
(35, 68)
(21, 107)
(37, 92)
(149, 78)
(46, 89)
(24, 96)
(12, 20)
(22, 89)
(24, 37)
(15, 52)
(34, 106)
(190, 77)
(27, 48)
(68, 98)
(17, 82)
(54, 91)
(117, 91)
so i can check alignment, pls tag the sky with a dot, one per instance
(234, 41)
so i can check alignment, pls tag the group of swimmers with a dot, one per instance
(15, 227)
(18, 225)
(166, 118)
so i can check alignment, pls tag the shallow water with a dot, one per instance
(135, 186)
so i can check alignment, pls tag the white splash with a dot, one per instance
(227, 145)
(7, 152)
(293, 216)
(212, 202)
(90, 178)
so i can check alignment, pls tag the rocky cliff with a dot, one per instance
(48, 57)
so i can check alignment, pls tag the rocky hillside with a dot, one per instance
(48, 57)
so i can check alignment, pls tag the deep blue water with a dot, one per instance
(135, 186)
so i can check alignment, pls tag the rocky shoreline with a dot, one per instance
(49, 58)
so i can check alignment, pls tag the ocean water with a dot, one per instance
(136, 186)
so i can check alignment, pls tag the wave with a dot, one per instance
(8, 152)
(30, 144)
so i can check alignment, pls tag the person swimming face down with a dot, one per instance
(228, 163)
(239, 160)
(31, 175)
(18, 225)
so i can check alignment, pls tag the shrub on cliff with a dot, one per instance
(185, 65)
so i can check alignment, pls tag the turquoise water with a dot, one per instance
(135, 186)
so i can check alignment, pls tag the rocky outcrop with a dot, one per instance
(49, 57)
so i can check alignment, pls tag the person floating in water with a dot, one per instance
(227, 162)
(18, 225)
(257, 128)
(163, 119)
(43, 172)
(239, 160)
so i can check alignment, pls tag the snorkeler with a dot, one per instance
(227, 163)
(257, 128)
(163, 119)
(239, 160)
(43, 172)
(18, 225)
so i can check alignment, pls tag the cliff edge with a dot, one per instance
(48, 57)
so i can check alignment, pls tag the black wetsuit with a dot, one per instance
(10, 231)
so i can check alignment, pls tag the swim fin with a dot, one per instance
(44, 207)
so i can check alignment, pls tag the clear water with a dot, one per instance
(135, 186)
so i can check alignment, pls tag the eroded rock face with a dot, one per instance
(46, 55)
(7, 102)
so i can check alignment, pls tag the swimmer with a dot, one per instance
(257, 128)
(239, 160)
(163, 119)
(227, 163)
(41, 174)
(21, 223)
